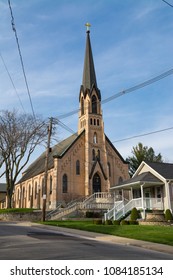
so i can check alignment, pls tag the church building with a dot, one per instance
(84, 163)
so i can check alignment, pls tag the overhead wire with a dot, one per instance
(125, 91)
(21, 59)
(168, 3)
(10, 77)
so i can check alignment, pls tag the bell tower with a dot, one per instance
(90, 120)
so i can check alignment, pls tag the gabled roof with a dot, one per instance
(38, 166)
(93, 168)
(164, 169)
(146, 177)
(3, 188)
(116, 151)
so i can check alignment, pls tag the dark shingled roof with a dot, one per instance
(38, 166)
(164, 169)
(3, 187)
(143, 177)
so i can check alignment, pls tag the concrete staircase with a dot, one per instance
(97, 201)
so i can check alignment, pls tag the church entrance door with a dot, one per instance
(96, 183)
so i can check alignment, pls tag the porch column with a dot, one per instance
(142, 199)
(131, 190)
(167, 189)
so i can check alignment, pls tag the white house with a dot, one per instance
(150, 188)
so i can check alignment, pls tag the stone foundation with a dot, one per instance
(30, 216)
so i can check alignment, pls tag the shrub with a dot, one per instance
(124, 222)
(89, 214)
(116, 222)
(133, 222)
(168, 215)
(108, 222)
(97, 222)
(134, 214)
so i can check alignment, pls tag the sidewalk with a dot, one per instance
(106, 238)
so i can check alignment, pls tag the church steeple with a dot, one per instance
(89, 77)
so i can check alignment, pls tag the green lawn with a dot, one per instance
(16, 210)
(157, 234)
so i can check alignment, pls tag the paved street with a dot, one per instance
(22, 241)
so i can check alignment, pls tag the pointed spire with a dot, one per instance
(89, 77)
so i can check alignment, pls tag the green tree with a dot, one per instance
(142, 153)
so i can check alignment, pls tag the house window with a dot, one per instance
(64, 183)
(94, 104)
(50, 187)
(77, 167)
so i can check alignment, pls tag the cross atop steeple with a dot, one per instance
(88, 25)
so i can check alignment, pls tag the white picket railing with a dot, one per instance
(122, 208)
(100, 200)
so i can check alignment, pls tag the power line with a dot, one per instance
(12, 81)
(144, 134)
(168, 3)
(21, 59)
(123, 92)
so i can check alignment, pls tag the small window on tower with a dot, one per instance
(91, 121)
(98, 123)
(95, 138)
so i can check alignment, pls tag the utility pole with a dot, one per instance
(46, 170)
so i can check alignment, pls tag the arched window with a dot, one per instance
(35, 190)
(50, 187)
(98, 123)
(109, 169)
(18, 194)
(95, 138)
(93, 154)
(91, 121)
(120, 180)
(77, 167)
(94, 104)
(29, 193)
(82, 106)
(64, 183)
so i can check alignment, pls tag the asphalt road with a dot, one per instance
(24, 242)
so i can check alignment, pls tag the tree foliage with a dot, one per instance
(19, 136)
(142, 153)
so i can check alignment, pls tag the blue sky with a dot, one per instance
(131, 42)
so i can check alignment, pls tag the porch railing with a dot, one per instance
(121, 208)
